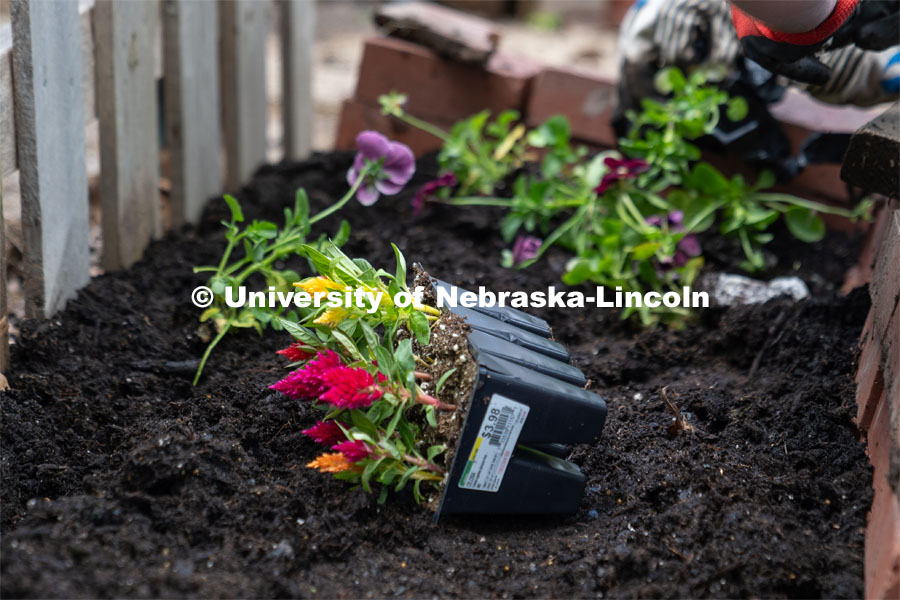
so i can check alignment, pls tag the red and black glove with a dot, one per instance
(869, 24)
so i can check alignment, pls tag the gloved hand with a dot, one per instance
(870, 24)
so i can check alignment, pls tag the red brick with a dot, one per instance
(885, 288)
(587, 101)
(356, 117)
(869, 382)
(882, 553)
(861, 273)
(615, 13)
(438, 88)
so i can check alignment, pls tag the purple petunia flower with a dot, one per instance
(396, 161)
(620, 169)
(525, 248)
(447, 180)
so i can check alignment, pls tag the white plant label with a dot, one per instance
(494, 446)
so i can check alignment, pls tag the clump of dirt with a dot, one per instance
(119, 478)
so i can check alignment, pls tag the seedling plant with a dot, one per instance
(630, 217)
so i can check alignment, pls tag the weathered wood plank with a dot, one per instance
(8, 163)
(4, 297)
(51, 150)
(192, 105)
(450, 33)
(298, 25)
(873, 157)
(244, 25)
(127, 110)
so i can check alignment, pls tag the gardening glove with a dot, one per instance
(868, 24)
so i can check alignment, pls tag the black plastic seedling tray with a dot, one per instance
(528, 404)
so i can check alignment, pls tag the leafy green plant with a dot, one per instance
(482, 153)
(380, 167)
(631, 217)
(361, 373)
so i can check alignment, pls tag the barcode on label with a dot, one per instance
(500, 426)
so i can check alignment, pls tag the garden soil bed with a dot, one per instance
(121, 479)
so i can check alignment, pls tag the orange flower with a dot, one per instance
(330, 463)
(318, 284)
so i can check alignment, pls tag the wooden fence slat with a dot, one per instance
(50, 136)
(298, 25)
(124, 35)
(7, 116)
(192, 105)
(244, 25)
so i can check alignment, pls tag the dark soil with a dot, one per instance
(121, 479)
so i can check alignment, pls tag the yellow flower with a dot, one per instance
(332, 317)
(318, 284)
(330, 463)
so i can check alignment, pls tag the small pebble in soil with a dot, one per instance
(592, 514)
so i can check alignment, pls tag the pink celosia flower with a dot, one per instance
(326, 433)
(350, 387)
(308, 382)
(354, 450)
(294, 353)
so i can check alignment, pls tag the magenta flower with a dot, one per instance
(354, 450)
(295, 353)
(326, 433)
(350, 387)
(308, 383)
(447, 180)
(394, 165)
(525, 248)
(619, 170)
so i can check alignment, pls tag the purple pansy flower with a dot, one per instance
(447, 180)
(397, 165)
(620, 169)
(525, 248)
(688, 247)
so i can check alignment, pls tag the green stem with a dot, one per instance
(340, 203)
(209, 350)
(795, 201)
(423, 125)
(476, 201)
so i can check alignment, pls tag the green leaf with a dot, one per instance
(301, 210)
(236, 214)
(401, 266)
(343, 234)
(385, 360)
(363, 423)
(737, 109)
(804, 224)
(368, 472)
(300, 333)
(669, 80)
(434, 451)
(443, 380)
(348, 344)
(418, 324)
(403, 356)
(430, 416)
